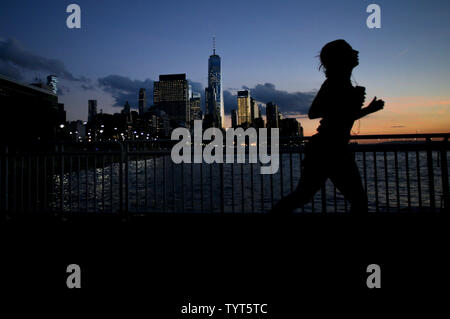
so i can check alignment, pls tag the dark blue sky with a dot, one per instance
(259, 41)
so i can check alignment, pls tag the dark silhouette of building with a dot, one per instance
(62, 114)
(171, 95)
(160, 123)
(92, 109)
(126, 108)
(290, 127)
(211, 117)
(258, 122)
(272, 115)
(77, 130)
(29, 113)
(142, 101)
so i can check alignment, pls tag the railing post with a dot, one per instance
(127, 145)
(430, 175)
(444, 173)
(61, 178)
(14, 183)
(324, 198)
(222, 200)
(121, 160)
(242, 189)
(6, 180)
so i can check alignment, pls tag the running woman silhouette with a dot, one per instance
(327, 154)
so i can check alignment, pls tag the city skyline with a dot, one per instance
(274, 57)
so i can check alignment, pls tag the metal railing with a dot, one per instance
(139, 177)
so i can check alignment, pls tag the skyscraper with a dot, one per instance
(62, 114)
(127, 108)
(254, 110)
(92, 110)
(290, 127)
(171, 95)
(52, 82)
(214, 91)
(244, 114)
(195, 107)
(142, 101)
(272, 115)
(234, 118)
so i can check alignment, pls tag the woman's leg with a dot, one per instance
(313, 176)
(347, 180)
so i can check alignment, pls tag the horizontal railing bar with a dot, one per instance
(293, 138)
(434, 146)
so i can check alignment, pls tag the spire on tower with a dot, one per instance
(214, 45)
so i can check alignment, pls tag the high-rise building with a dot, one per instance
(290, 127)
(158, 122)
(52, 82)
(92, 110)
(214, 91)
(195, 106)
(272, 115)
(258, 122)
(62, 114)
(127, 108)
(142, 101)
(78, 130)
(234, 118)
(211, 117)
(244, 114)
(171, 95)
(254, 110)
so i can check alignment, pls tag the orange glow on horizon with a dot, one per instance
(401, 115)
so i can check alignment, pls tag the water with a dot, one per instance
(158, 185)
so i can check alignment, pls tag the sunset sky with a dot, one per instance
(270, 47)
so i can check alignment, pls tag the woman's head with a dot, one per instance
(338, 58)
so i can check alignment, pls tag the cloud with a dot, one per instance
(230, 101)
(10, 70)
(14, 59)
(398, 126)
(88, 87)
(297, 102)
(199, 88)
(289, 103)
(62, 90)
(124, 89)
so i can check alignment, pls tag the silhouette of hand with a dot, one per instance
(376, 105)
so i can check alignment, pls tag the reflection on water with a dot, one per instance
(156, 185)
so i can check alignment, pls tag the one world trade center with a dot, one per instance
(214, 92)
